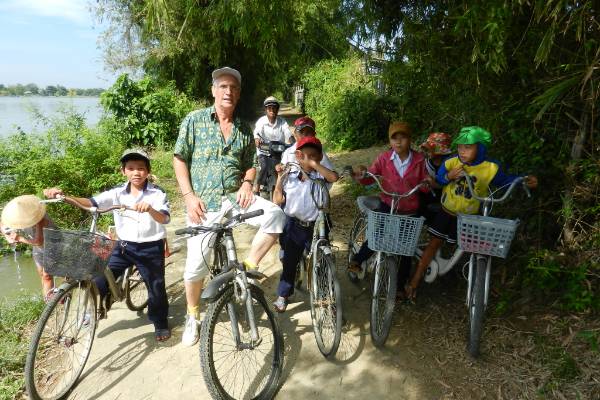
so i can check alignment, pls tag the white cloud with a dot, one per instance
(73, 10)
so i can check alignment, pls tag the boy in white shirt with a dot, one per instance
(300, 210)
(141, 234)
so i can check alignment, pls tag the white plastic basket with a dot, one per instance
(485, 235)
(393, 233)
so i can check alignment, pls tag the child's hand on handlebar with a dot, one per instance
(279, 168)
(52, 193)
(531, 181)
(358, 172)
(455, 173)
(141, 207)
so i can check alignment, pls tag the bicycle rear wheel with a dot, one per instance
(477, 306)
(326, 304)
(61, 342)
(240, 369)
(136, 291)
(357, 238)
(383, 300)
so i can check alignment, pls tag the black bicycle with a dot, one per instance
(241, 345)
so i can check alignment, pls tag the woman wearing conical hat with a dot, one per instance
(23, 221)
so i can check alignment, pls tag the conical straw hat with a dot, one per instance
(23, 212)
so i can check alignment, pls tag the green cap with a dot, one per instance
(473, 135)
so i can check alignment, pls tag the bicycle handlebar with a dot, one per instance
(73, 202)
(490, 198)
(377, 179)
(230, 223)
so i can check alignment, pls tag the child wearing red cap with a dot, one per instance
(303, 126)
(436, 148)
(301, 212)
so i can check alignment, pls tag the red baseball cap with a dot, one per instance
(309, 141)
(303, 122)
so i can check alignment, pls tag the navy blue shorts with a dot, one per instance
(444, 226)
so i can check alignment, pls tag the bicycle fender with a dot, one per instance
(216, 286)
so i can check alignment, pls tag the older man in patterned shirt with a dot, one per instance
(215, 164)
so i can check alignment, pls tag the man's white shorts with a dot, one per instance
(199, 253)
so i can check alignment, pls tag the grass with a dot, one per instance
(16, 319)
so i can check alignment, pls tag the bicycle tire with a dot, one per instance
(217, 319)
(300, 271)
(355, 241)
(136, 291)
(41, 380)
(326, 304)
(383, 302)
(477, 307)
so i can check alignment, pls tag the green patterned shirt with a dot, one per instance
(216, 168)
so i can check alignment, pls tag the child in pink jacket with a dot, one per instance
(402, 169)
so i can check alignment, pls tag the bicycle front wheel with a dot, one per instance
(233, 364)
(136, 291)
(61, 343)
(477, 306)
(326, 304)
(383, 298)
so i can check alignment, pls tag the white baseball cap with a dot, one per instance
(227, 71)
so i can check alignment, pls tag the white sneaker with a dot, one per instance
(190, 332)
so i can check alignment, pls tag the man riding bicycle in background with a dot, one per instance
(269, 128)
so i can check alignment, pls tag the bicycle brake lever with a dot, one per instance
(527, 190)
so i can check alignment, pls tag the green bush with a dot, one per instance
(345, 106)
(144, 113)
(576, 284)
(80, 160)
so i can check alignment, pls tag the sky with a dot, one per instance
(49, 42)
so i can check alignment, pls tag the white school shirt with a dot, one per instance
(298, 199)
(289, 155)
(401, 166)
(279, 131)
(133, 226)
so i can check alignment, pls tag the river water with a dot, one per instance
(16, 113)
(20, 276)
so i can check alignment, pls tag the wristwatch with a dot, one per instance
(249, 181)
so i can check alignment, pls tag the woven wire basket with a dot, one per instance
(485, 235)
(76, 254)
(392, 233)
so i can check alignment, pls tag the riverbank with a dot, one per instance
(17, 318)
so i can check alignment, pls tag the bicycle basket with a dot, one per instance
(392, 233)
(485, 235)
(76, 254)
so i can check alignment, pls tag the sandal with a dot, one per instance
(354, 267)
(162, 335)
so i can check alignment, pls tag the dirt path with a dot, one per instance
(424, 357)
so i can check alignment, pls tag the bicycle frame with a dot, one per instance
(487, 203)
(395, 198)
(235, 273)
